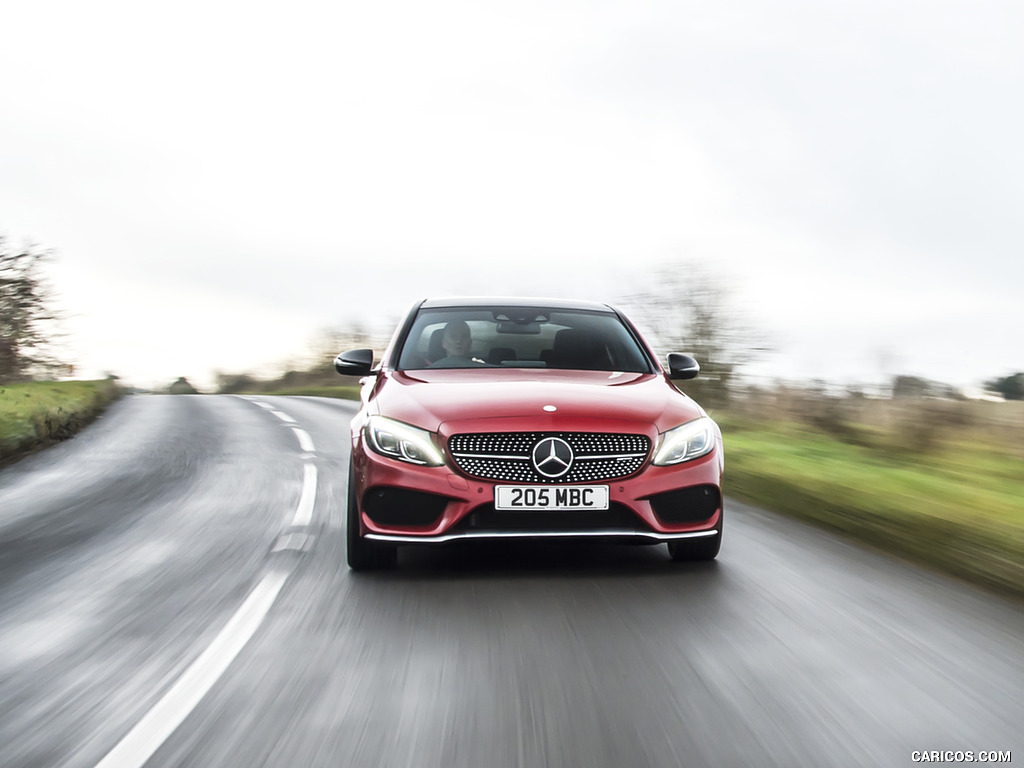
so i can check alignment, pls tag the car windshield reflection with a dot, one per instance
(521, 338)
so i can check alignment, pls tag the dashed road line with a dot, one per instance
(305, 441)
(304, 512)
(283, 416)
(293, 542)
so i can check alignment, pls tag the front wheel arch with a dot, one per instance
(362, 554)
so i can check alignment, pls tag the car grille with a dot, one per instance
(506, 456)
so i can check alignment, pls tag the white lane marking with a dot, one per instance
(293, 542)
(254, 401)
(168, 713)
(304, 513)
(305, 441)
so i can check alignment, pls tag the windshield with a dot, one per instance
(521, 337)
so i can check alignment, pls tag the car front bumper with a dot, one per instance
(465, 505)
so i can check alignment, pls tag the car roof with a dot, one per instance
(514, 301)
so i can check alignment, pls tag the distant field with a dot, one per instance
(34, 414)
(958, 506)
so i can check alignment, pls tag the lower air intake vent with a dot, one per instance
(487, 518)
(398, 506)
(687, 505)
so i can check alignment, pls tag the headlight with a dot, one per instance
(689, 441)
(403, 442)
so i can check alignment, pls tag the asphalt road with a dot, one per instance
(173, 593)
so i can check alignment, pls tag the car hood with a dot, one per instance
(460, 399)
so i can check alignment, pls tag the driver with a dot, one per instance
(457, 339)
(456, 342)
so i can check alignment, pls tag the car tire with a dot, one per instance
(364, 555)
(706, 548)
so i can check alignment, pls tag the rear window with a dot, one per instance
(521, 337)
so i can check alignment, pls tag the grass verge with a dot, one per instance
(36, 414)
(960, 510)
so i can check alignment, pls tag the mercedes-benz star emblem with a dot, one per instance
(552, 457)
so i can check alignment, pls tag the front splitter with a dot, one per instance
(610, 533)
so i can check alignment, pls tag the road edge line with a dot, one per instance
(163, 719)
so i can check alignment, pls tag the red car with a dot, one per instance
(527, 419)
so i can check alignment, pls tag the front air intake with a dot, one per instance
(687, 505)
(402, 507)
(487, 518)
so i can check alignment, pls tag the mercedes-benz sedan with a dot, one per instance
(527, 419)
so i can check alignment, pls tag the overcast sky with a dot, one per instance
(221, 181)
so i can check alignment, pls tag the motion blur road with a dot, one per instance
(173, 592)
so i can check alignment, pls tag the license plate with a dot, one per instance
(514, 497)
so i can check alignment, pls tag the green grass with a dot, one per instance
(959, 509)
(34, 414)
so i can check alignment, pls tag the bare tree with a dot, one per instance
(687, 308)
(26, 315)
(332, 341)
(354, 334)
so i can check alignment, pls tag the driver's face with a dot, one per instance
(457, 340)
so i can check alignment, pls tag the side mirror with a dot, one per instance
(682, 366)
(355, 362)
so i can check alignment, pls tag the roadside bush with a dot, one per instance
(923, 426)
(182, 387)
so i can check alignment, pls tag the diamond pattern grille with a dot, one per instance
(505, 456)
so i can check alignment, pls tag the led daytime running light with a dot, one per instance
(402, 442)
